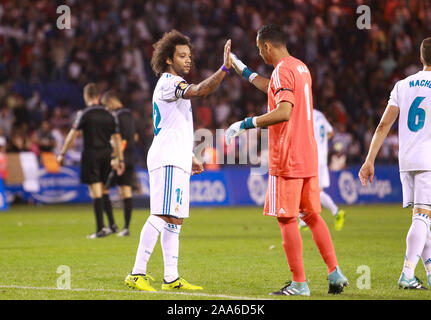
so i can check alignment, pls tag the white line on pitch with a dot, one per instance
(133, 291)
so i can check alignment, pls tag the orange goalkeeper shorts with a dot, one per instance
(287, 197)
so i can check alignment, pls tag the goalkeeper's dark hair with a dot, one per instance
(165, 48)
(426, 51)
(271, 33)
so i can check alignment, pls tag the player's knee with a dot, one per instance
(422, 212)
(286, 220)
(309, 217)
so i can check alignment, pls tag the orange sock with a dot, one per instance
(322, 238)
(292, 244)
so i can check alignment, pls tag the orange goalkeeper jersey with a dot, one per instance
(292, 146)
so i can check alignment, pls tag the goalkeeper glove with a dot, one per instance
(242, 69)
(239, 127)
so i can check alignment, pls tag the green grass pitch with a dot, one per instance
(234, 253)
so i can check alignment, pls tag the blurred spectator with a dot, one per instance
(19, 139)
(6, 121)
(3, 158)
(44, 139)
(43, 69)
(342, 137)
(338, 159)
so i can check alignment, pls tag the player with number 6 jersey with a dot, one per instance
(411, 101)
(411, 95)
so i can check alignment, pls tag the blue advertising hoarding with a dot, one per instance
(3, 199)
(346, 188)
(230, 186)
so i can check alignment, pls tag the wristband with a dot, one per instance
(248, 123)
(252, 76)
(255, 120)
(249, 74)
(223, 68)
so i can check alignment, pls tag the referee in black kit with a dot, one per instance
(128, 133)
(98, 125)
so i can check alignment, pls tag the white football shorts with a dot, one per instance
(416, 187)
(169, 192)
(324, 181)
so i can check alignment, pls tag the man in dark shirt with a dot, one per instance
(44, 138)
(128, 134)
(98, 126)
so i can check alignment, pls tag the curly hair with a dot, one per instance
(165, 48)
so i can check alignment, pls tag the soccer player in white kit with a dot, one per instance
(170, 158)
(323, 132)
(411, 100)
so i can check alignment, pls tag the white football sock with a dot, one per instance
(170, 240)
(149, 235)
(426, 254)
(415, 241)
(328, 203)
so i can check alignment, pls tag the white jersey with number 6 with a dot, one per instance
(173, 125)
(413, 96)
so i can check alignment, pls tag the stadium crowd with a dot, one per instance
(43, 69)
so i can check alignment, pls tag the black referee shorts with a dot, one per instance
(126, 179)
(95, 165)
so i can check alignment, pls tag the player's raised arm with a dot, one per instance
(209, 85)
(258, 81)
(367, 170)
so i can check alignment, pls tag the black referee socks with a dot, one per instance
(98, 213)
(127, 212)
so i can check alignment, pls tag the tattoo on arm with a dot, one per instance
(205, 87)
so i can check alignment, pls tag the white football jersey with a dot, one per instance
(321, 129)
(172, 124)
(413, 96)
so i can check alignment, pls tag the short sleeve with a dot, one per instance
(393, 99)
(77, 124)
(283, 85)
(174, 89)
